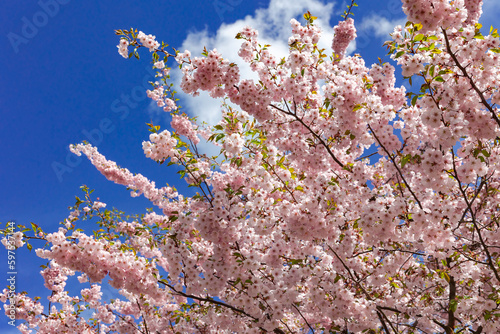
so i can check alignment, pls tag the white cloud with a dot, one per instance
(273, 25)
(380, 26)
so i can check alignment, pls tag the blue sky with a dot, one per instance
(63, 82)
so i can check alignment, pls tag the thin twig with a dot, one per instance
(208, 300)
(350, 274)
(464, 72)
(312, 132)
(379, 314)
(474, 223)
(387, 319)
(366, 156)
(308, 325)
(397, 168)
(349, 10)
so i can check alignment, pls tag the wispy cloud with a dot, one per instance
(380, 26)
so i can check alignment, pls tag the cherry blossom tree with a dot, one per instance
(339, 202)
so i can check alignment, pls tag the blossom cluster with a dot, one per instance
(158, 95)
(442, 13)
(474, 10)
(184, 127)
(16, 240)
(123, 47)
(161, 146)
(148, 41)
(345, 33)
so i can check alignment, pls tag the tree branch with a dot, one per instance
(308, 325)
(397, 168)
(464, 72)
(208, 300)
(474, 223)
(312, 132)
(451, 313)
(379, 314)
(350, 274)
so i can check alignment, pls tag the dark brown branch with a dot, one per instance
(443, 326)
(284, 323)
(379, 310)
(379, 314)
(366, 156)
(451, 313)
(388, 309)
(276, 174)
(208, 300)
(212, 301)
(478, 190)
(478, 331)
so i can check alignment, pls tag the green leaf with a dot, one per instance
(419, 37)
(219, 137)
(431, 70)
(399, 54)
(406, 158)
(453, 305)
(478, 36)
(414, 100)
